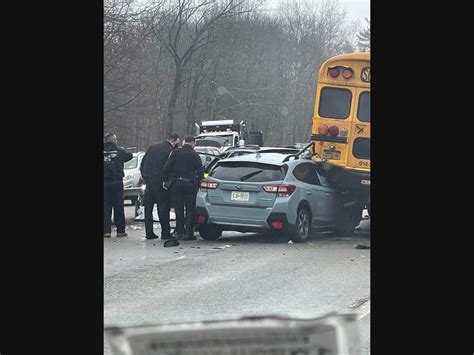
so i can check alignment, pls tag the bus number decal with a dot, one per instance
(364, 164)
(365, 75)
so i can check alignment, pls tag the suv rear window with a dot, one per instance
(248, 171)
(306, 172)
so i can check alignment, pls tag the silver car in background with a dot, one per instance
(266, 193)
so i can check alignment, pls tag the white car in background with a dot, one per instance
(133, 177)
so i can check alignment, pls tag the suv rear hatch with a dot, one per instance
(240, 194)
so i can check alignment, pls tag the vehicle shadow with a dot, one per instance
(268, 238)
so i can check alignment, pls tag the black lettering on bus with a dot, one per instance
(365, 75)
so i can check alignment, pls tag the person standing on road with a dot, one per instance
(114, 157)
(152, 173)
(183, 171)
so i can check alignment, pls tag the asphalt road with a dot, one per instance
(240, 274)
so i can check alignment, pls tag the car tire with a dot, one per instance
(347, 223)
(302, 228)
(209, 231)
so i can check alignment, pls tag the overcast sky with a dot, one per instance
(356, 9)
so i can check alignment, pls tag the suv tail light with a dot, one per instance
(282, 190)
(205, 185)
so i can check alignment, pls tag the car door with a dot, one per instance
(138, 179)
(313, 192)
(330, 200)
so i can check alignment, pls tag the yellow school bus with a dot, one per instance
(341, 131)
(341, 120)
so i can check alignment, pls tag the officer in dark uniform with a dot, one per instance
(152, 173)
(183, 171)
(114, 157)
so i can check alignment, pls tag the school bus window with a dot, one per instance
(335, 103)
(363, 112)
(361, 148)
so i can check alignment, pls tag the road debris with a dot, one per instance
(171, 243)
(360, 246)
(225, 246)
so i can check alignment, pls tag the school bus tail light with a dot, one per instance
(323, 129)
(333, 131)
(333, 72)
(347, 73)
(343, 132)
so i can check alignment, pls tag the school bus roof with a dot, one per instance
(348, 56)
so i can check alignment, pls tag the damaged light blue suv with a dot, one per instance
(266, 193)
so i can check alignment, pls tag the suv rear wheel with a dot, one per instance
(209, 231)
(302, 227)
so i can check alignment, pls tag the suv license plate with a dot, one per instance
(240, 196)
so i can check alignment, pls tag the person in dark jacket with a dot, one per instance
(114, 157)
(183, 171)
(152, 173)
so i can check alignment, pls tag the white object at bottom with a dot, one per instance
(141, 215)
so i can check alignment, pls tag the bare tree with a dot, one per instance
(187, 27)
(364, 38)
(125, 30)
(170, 63)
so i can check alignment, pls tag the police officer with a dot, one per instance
(114, 157)
(184, 171)
(152, 173)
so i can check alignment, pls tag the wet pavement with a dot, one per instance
(239, 274)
